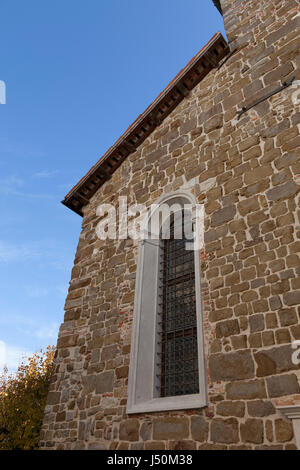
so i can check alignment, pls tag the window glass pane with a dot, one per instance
(179, 350)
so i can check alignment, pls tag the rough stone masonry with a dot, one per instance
(244, 171)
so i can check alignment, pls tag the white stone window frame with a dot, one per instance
(292, 412)
(142, 392)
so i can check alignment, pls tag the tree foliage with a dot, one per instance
(22, 401)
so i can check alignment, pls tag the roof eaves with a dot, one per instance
(204, 61)
(217, 4)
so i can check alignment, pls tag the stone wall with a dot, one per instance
(245, 173)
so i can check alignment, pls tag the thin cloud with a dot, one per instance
(11, 253)
(30, 327)
(13, 357)
(44, 333)
(19, 150)
(45, 174)
(36, 292)
(48, 332)
(62, 289)
(48, 251)
(66, 186)
(12, 186)
(10, 182)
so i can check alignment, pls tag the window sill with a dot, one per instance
(167, 404)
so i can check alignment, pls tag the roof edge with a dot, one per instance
(205, 60)
(217, 4)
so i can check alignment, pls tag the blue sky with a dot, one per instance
(77, 74)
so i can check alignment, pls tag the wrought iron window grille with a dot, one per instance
(177, 328)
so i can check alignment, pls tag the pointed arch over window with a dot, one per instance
(167, 365)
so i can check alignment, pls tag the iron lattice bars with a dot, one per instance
(178, 332)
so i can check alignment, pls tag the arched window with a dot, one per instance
(167, 365)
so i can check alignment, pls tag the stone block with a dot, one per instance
(225, 431)
(105, 382)
(231, 366)
(182, 445)
(260, 408)
(283, 385)
(292, 298)
(122, 372)
(199, 428)
(214, 123)
(246, 390)
(223, 215)
(178, 143)
(170, 428)
(53, 398)
(252, 431)
(231, 408)
(283, 430)
(274, 361)
(129, 430)
(67, 341)
(257, 323)
(283, 192)
(146, 431)
(227, 328)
